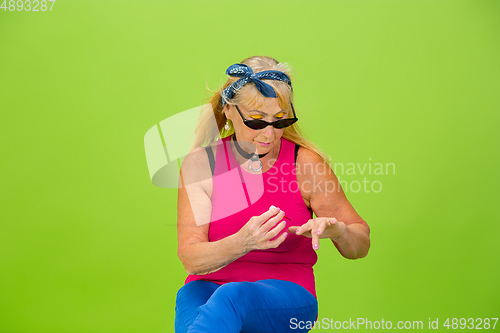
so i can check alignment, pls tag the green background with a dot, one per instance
(88, 244)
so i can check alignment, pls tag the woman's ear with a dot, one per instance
(226, 110)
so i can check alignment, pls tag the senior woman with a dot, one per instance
(246, 233)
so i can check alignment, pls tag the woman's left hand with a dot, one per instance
(320, 227)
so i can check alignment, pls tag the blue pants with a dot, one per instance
(247, 307)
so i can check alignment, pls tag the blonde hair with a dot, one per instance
(208, 131)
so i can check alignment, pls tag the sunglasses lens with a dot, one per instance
(256, 124)
(284, 122)
(260, 124)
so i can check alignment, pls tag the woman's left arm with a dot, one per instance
(336, 217)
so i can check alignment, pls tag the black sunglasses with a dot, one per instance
(260, 124)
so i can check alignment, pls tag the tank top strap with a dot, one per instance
(222, 164)
(287, 154)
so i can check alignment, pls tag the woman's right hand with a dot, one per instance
(256, 234)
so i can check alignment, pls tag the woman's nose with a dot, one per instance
(268, 131)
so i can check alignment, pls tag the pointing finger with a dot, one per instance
(305, 227)
(315, 238)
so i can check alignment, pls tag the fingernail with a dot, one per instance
(272, 206)
(284, 222)
(318, 232)
(278, 208)
(316, 246)
(297, 232)
(285, 233)
(283, 212)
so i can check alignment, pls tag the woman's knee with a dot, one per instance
(196, 288)
(232, 296)
(188, 288)
(236, 291)
(189, 297)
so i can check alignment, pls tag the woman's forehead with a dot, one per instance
(263, 105)
(251, 98)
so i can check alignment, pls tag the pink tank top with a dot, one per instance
(237, 196)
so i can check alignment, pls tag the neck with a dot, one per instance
(268, 159)
(245, 154)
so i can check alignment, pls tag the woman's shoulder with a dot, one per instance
(196, 170)
(200, 156)
(311, 170)
(306, 155)
(310, 165)
(195, 157)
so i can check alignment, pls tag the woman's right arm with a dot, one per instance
(194, 208)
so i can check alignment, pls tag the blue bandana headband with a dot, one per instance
(247, 75)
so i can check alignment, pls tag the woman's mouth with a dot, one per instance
(264, 144)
